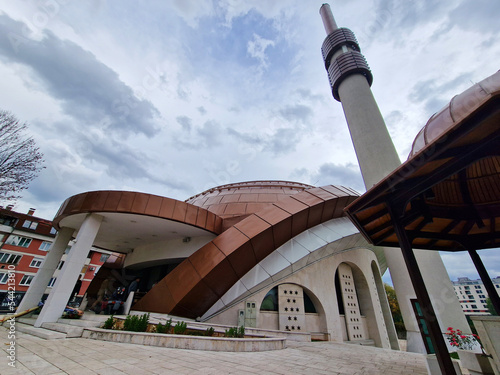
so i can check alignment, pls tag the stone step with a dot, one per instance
(69, 330)
(39, 332)
(80, 322)
(90, 315)
(367, 342)
(29, 321)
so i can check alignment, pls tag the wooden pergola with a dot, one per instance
(445, 197)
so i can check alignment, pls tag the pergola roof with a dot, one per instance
(447, 194)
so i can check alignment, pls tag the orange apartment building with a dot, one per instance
(24, 243)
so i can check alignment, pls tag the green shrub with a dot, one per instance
(210, 331)
(180, 328)
(164, 328)
(235, 332)
(135, 323)
(109, 323)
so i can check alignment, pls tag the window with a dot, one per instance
(53, 230)
(68, 249)
(26, 280)
(36, 262)
(467, 292)
(18, 241)
(45, 246)
(104, 257)
(270, 301)
(483, 301)
(477, 287)
(52, 282)
(60, 265)
(473, 306)
(30, 224)
(482, 296)
(4, 276)
(466, 287)
(9, 258)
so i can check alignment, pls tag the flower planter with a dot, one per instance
(475, 363)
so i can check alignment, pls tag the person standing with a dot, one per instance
(134, 286)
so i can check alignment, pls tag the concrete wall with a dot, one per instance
(164, 250)
(318, 280)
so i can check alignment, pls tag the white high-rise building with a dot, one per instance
(472, 295)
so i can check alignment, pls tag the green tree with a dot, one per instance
(491, 309)
(20, 158)
(395, 311)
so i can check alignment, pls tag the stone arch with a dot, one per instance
(384, 305)
(270, 301)
(284, 307)
(316, 322)
(367, 305)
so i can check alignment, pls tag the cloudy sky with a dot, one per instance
(174, 97)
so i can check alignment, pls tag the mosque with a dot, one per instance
(274, 255)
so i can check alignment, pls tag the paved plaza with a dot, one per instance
(82, 356)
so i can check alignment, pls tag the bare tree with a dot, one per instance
(20, 158)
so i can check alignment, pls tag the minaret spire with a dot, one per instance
(350, 79)
(328, 20)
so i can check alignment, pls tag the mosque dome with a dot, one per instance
(237, 201)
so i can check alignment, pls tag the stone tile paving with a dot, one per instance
(82, 356)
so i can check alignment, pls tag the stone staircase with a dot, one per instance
(63, 328)
(367, 342)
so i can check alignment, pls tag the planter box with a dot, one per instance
(476, 363)
(224, 344)
(433, 365)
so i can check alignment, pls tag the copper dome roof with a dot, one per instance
(233, 202)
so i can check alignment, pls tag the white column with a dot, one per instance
(44, 274)
(58, 297)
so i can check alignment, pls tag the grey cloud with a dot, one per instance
(251, 139)
(282, 141)
(433, 94)
(298, 112)
(207, 136)
(121, 161)
(210, 133)
(202, 110)
(307, 94)
(88, 90)
(185, 122)
(335, 174)
(478, 15)
(408, 14)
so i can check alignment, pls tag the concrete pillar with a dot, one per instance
(375, 151)
(44, 274)
(58, 297)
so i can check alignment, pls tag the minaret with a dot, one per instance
(350, 80)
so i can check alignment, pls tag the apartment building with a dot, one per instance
(24, 242)
(472, 295)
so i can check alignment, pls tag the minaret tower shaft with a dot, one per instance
(350, 80)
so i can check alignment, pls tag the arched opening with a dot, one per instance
(340, 300)
(309, 304)
(270, 301)
(366, 304)
(386, 311)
